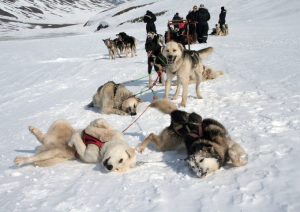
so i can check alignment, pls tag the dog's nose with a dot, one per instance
(133, 113)
(109, 167)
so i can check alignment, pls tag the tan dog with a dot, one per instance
(167, 139)
(54, 148)
(184, 63)
(114, 152)
(112, 98)
(61, 142)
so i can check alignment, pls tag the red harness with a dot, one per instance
(88, 139)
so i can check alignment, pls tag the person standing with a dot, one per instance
(203, 17)
(192, 19)
(149, 19)
(222, 17)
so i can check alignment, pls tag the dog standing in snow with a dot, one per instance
(182, 64)
(112, 48)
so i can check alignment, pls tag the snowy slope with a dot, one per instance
(28, 14)
(258, 100)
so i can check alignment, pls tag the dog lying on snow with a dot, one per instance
(183, 64)
(220, 30)
(97, 143)
(112, 98)
(100, 141)
(207, 142)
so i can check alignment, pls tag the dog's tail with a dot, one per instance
(50, 162)
(204, 53)
(164, 106)
(210, 74)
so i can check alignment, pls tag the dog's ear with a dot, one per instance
(130, 152)
(180, 46)
(138, 99)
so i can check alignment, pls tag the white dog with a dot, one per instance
(99, 142)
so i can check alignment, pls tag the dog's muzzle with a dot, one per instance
(171, 59)
(106, 165)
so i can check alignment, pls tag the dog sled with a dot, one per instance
(179, 31)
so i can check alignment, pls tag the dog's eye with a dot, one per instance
(201, 160)
(121, 160)
(174, 50)
(168, 50)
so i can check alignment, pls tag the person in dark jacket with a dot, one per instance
(149, 19)
(155, 57)
(179, 27)
(203, 17)
(222, 17)
(192, 19)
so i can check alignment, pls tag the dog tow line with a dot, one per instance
(154, 98)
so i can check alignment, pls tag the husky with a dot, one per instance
(112, 98)
(220, 30)
(98, 142)
(129, 43)
(112, 48)
(120, 46)
(208, 144)
(184, 63)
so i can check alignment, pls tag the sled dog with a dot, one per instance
(99, 142)
(184, 63)
(112, 48)
(129, 43)
(112, 98)
(96, 143)
(207, 142)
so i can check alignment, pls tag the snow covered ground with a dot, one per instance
(258, 100)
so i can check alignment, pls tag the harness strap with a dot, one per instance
(116, 88)
(88, 139)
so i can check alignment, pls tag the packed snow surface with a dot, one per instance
(44, 78)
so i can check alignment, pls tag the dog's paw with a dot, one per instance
(183, 104)
(71, 143)
(32, 129)
(19, 161)
(140, 148)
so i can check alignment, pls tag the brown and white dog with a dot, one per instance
(184, 63)
(112, 98)
(112, 48)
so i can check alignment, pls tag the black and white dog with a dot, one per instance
(208, 143)
(153, 46)
(129, 43)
